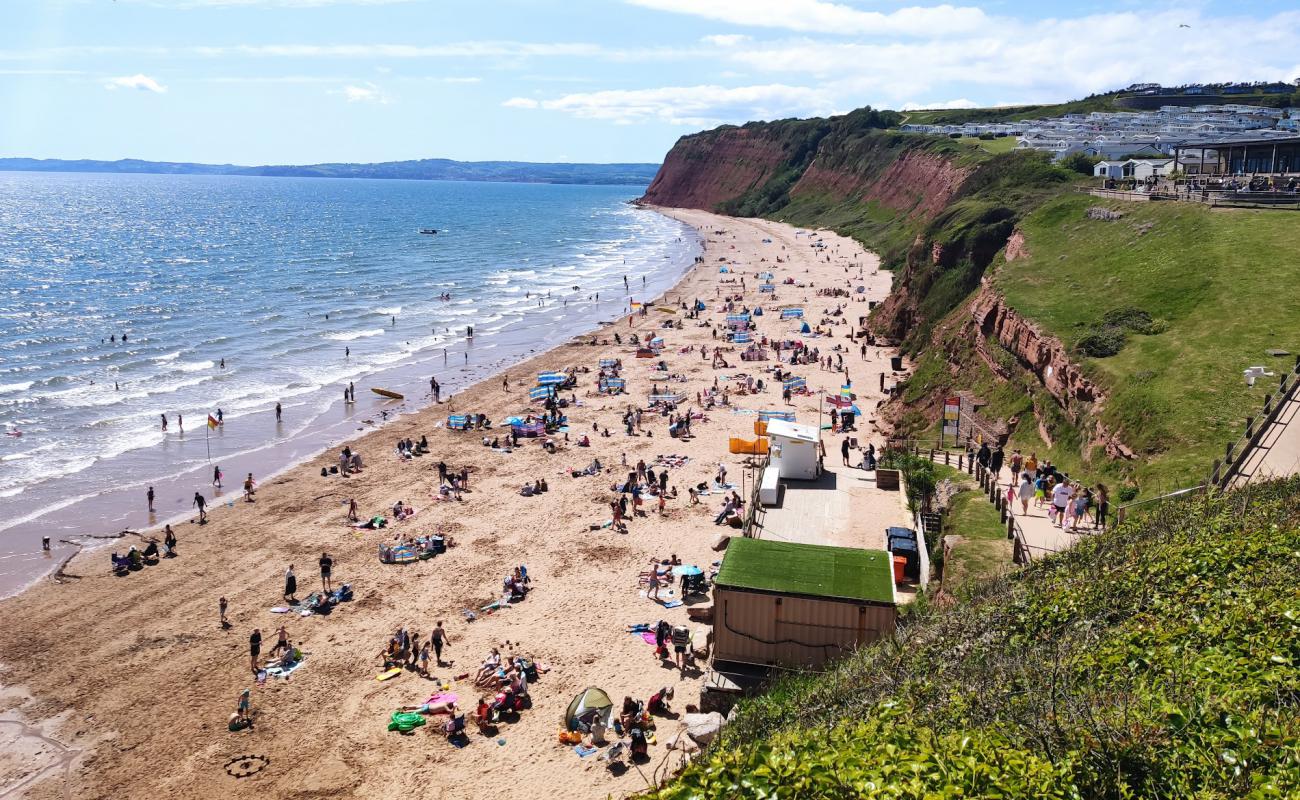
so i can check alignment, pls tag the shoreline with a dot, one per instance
(323, 731)
(305, 444)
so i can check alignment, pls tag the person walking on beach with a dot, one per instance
(222, 604)
(216, 476)
(164, 422)
(326, 569)
(201, 504)
(290, 585)
(180, 423)
(439, 638)
(352, 510)
(250, 488)
(277, 412)
(254, 648)
(347, 352)
(352, 391)
(844, 450)
(149, 496)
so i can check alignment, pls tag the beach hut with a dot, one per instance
(795, 449)
(799, 605)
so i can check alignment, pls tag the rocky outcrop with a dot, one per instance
(1016, 247)
(1045, 356)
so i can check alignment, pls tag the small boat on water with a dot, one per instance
(386, 393)
(429, 231)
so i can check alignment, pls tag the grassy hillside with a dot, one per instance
(1156, 661)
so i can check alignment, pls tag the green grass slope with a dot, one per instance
(1156, 661)
(1221, 287)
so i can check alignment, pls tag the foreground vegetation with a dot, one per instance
(1158, 660)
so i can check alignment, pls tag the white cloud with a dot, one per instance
(141, 82)
(688, 105)
(364, 93)
(822, 17)
(1038, 61)
(726, 39)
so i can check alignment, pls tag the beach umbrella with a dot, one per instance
(687, 569)
(590, 704)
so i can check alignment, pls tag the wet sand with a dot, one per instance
(137, 675)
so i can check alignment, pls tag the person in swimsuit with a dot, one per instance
(326, 568)
(201, 504)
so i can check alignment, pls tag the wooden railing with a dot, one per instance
(1235, 454)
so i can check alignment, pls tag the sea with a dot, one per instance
(124, 298)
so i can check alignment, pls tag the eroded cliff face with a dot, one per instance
(707, 169)
(917, 184)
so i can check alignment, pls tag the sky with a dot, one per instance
(305, 81)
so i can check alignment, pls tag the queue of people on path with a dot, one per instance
(1070, 503)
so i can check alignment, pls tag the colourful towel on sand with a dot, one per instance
(583, 750)
(442, 697)
(648, 637)
(672, 604)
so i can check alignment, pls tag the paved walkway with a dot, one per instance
(1278, 452)
(1041, 536)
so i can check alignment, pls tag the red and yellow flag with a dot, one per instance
(212, 422)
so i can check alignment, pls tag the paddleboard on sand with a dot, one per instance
(392, 673)
(388, 394)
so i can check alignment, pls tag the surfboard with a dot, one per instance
(392, 673)
(387, 393)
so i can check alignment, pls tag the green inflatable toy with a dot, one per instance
(404, 722)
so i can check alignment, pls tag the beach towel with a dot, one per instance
(648, 637)
(672, 604)
(441, 697)
(583, 750)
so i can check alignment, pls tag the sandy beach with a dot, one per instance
(132, 679)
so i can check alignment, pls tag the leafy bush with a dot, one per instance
(1080, 163)
(1102, 342)
(1158, 660)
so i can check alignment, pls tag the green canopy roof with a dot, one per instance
(844, 573)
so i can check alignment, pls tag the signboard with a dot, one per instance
(951, 415)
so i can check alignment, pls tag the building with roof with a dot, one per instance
(1233, 156)
(799, 605)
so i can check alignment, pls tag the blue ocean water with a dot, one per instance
(277, 276)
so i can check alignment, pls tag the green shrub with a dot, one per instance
(1157, 660)
(1102, 342)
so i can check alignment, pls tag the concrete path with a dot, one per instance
(1278, 452)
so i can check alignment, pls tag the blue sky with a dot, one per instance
(298, 81)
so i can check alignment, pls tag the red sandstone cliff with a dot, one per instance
(709, 168)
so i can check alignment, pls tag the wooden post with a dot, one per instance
(960, 458)
(1250, 421)
(946, 456)
(1011, 528)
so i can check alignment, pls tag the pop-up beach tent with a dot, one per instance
(590, 704)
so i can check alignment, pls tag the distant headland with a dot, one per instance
(427, 169)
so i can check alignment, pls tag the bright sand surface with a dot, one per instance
(136, 679)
